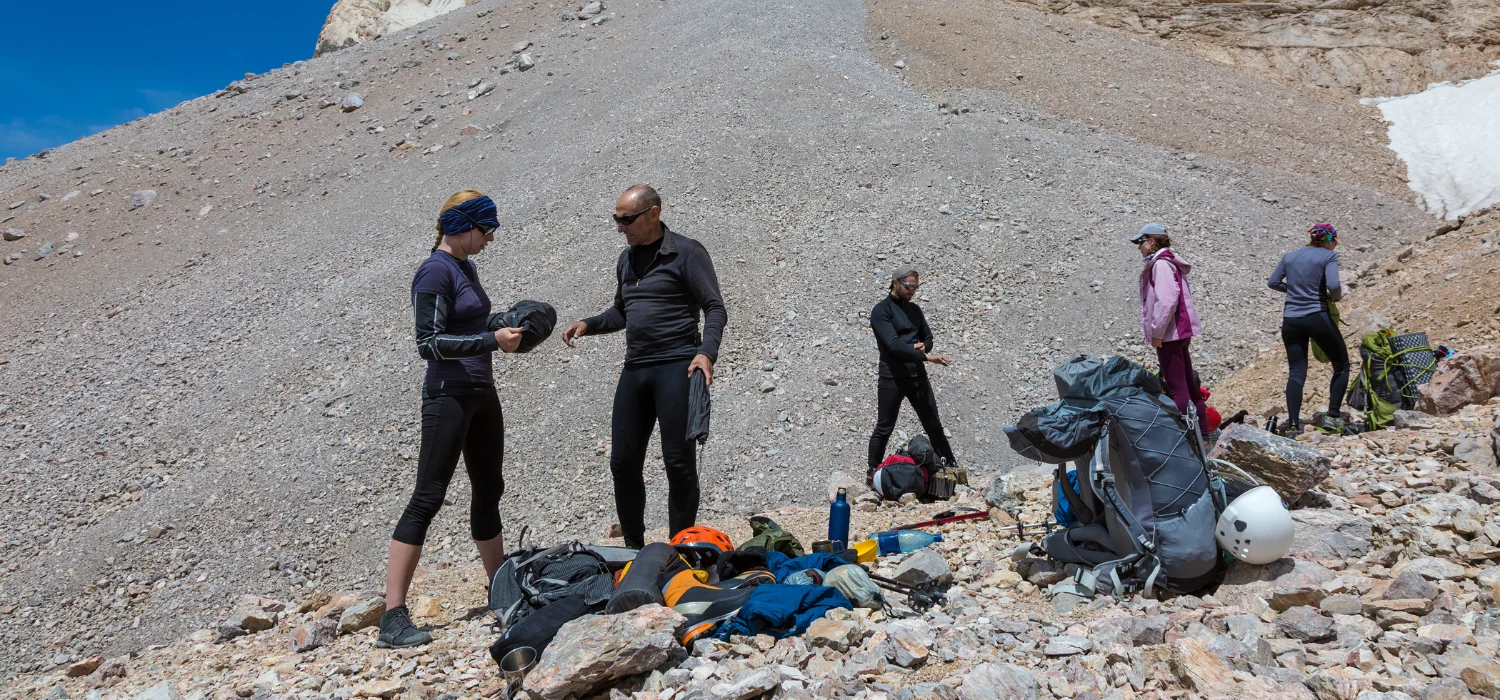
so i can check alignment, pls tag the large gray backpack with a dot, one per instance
(1146, 504)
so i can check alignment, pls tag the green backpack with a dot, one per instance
(1387, 383)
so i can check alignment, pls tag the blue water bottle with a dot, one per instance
(838, 522)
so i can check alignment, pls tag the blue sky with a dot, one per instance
(70, 69)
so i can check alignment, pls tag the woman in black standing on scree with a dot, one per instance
(460, 409)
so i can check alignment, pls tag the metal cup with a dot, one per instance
(823, 546)
(514, 665)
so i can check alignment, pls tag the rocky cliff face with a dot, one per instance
(1364, 47)
(353, 21)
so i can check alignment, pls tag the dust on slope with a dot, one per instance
(1135, 86)
(1440, 284)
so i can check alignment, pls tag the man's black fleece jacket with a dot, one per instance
(898, 326)
(659, 310)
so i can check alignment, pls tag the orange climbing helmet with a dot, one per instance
(702, 545)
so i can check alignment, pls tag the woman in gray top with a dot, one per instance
(1310, 278)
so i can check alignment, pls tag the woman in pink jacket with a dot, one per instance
(1169, 321)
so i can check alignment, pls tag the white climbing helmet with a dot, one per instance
(1256, 528)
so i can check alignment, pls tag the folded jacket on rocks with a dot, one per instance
(782, 611)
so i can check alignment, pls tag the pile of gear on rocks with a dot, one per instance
(768, 585)
(1143, 511)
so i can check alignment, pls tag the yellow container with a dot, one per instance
(867, 550)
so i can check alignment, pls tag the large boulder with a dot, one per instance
(591, 652)
(1479, 455)
(353, 21)
(1285, 465)
(922, 567)
(1196, 668)
(997, 681)
(314, 634)
(1471, 377)
(254, 613)
(1304, 624)
(1303, 585)
(1437, 511)
(1322, 533)
(365, 613)
(909, 642)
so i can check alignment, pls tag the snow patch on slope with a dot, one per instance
(1449, 138)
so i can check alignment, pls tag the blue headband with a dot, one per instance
(475, 213)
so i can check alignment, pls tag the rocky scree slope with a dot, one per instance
(1145, 88)
(1388, 592)
(1370, 48)
(1440, 282)
(210, 389)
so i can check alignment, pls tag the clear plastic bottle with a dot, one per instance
(899, 541)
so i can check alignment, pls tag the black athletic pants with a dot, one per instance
(647, 396)
(469, 423)
(1295, 334)
(888, 401)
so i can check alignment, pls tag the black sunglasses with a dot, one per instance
(629, 219)
(909, 285)
(483, 230)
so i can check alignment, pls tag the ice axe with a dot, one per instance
(945, 517)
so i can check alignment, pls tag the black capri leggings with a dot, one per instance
(471, 424)
(1295, 334)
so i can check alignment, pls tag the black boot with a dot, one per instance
(398, 632)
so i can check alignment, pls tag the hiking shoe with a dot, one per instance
(1331, 424)
(398, 632)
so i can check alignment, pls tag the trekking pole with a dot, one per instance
(1020, 527)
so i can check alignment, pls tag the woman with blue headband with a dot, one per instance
(1310, 278)
(455, 333)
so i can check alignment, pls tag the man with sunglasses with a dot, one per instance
(905, 343)
(663, 282)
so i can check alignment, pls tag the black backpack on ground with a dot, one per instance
(533, 578)
(1145, 498)
(537, 629)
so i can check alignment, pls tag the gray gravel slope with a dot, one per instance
(260, 402)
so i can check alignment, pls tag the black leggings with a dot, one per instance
(888, 400)
(470, 424)
(647, 396)
(1295, 334)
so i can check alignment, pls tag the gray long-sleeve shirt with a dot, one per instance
(1310, 278)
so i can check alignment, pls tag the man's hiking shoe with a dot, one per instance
(398, 632)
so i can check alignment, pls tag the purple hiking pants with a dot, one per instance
(1181, 382)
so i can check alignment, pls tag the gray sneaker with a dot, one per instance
(398, 632)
